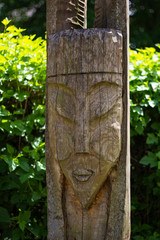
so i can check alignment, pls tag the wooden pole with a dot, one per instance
(87, 122)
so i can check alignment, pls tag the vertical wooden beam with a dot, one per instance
(115, 14)
(61, 15)
(87, 83)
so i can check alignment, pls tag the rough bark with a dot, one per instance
(85, 116)
(87, 124)
(115, 15)
(65, 14)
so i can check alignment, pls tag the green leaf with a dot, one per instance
(155, 86)
(25, 176)
(4, 215)
(4, 112)
(16, 234)
(22, 225)
(40, 120)
(21, 96)
(5, 21)
(23, 219)
(18, 124)
(133, 208)
(5, 125)
(10, 149)
(8, 94)
(139, 127)
(35, 155)
(142, 88)
(2, 59)
(152, 103)
(26, 149)
(26, 215)
(36, 196)
(40, 166)
(158, 154)
(139, 110)
(155, 125)
(8, 159)
(150, 159)
(152, 139)
(24, 164)
(19, 112)
(36, 142)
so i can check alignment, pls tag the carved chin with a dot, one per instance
(86, 173)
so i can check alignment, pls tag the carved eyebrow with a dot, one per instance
(63, 86)
(102, 84)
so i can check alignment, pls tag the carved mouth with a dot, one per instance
(82, 175)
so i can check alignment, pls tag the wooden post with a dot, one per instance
(87, 122)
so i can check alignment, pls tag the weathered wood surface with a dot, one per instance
(115, 14)
(85, 116)
(66, 14)
(67, 52)
(89, 72)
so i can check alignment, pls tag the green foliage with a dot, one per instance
(145, 143)
(22, 119)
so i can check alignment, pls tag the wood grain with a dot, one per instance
(84, 128)
(66, 14)
(87, 112)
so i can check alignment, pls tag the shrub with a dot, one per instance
(22, 115)
(145, 143)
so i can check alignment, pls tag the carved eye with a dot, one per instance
(101, 99)
(65, 104)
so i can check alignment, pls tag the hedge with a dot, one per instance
(22, 127)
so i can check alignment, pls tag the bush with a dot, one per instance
(145, 143)
(22, 115)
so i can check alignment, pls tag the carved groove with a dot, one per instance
(101, 7)
(79, 8)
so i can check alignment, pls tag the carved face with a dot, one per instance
(85, 129)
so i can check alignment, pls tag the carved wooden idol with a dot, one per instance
(86, 136)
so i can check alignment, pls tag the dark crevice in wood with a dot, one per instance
(100, 148)
(109, 183)
(71, 74)
(64, 208)
(101, 11)
(56, 123)
(82, 224)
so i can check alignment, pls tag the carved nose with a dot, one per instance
(82, 133)
(82, 142)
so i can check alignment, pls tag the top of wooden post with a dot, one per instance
(100, 49)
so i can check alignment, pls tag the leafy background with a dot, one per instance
(22, 119)
(145, 143)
